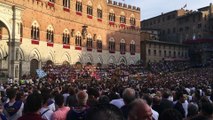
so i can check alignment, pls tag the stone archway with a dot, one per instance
(34, 64)
(10, 18)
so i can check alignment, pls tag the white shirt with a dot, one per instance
(16, 115)
(155, 114)
(47, 115)
(118, 102)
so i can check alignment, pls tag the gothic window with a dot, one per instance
(99, 13)
(99, 44)
(132, 48)
(78, 40)
(122, 46)
(89, 42)
(35, 31)
(79, 6)
(89, 10)
(111, 45)
(66, 3)
(122, 19)
(50, 34)
(66, 37)
(112, 17)
(132, 21)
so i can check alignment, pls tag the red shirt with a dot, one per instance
(31, 116)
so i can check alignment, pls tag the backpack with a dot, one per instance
(78, 113)
(13, 109)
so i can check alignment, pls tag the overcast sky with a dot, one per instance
(151, 8)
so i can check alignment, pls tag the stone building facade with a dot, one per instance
(191, 27)
(66, 31)
(154, 50)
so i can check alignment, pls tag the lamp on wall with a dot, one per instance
(72, 32)
(94, 37)
(84, 31)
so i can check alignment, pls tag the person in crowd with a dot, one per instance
(149, 99)
(140, 110)
(156, 103)
(13, 109)
(62, 111)
(171, 114)
(80, 111)
(165, 102)
(45, 112)
(32, 107)
(71, 99)
(93, 95)
(180, 100)
(192, 110)
(104, 112)
(128, 96)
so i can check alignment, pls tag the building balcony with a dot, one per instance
(50, 44)
(51, 4)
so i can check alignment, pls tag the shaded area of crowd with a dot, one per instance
(121, 93)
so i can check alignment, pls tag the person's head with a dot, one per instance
(180, 97)
(170, 114)
(128, 95)
(156, 100)
(207, 109)
(33, 103)
(11, 93)
(192, 109)
(148, 99)
(104, 99)
(140, 110)
(59, 100)
(104, 112)
(82, 98)
(166, 94)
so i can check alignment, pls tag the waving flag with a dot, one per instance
(41, 73)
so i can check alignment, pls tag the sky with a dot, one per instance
(152, 8)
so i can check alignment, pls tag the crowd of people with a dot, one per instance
(167, 91)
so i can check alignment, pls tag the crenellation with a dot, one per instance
(123, 5)
(120, 4)
(115, 3)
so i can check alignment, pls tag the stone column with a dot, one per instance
(14, 44)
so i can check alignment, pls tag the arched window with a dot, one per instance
(89, 42)
(89, 9)
(122, 18)
(66, 3)
(78, 6)
(99, 44)
(99, 12)
(112, 45)
(111, 16)
(122, 46)
(78, 39)
(35, 31)
(132, 47)
(50, 34)
(66, 37)
(132, 20)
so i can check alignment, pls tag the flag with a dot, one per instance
(185, 6)
(41, 73)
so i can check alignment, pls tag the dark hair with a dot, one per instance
(104, 112)
(11, 93)
(199, 117)
(59, 99)
(207, 108)
(148, 99)
(104, 99)
(170, 114)
(33, 103)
